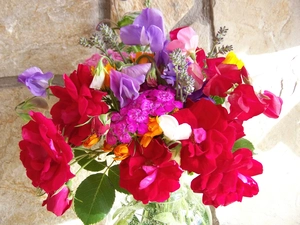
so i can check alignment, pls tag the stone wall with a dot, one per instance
(265, 34)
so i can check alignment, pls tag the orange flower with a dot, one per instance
(107, 147)
(153, 130)
(108, 68)
(121, 152)
(90, 141)
(144, 57)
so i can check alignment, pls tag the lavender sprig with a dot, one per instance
(217, 40)
(184, 83)
(94, 41)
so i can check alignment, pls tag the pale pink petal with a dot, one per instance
(148, 180)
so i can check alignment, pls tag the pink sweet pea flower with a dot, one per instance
(93, 60)
(58, 202)
(186, 39)
(194, 70)
(274, 104)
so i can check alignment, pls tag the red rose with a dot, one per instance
(219, 138)
(244, 103)
(77, 105)
(149, 174)
(45, 154)
(230, 181)
(59, 202)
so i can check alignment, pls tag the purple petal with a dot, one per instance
(156, 38)
(137, 70)
(28, 73)
(35, 80)
(131, 34)
(150, 16)
(124, 87)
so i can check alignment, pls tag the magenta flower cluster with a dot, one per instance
(133, 118)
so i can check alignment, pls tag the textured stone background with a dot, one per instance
(265, 34)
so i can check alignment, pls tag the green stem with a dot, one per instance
(77, 159)
(85, 165)
(119, 51)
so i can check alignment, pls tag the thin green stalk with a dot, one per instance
(85, 165)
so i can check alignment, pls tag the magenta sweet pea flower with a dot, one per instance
(147, 28)
(59, 202)
(274, 104)
(35, 80)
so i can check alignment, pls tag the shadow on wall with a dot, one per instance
(286, 131)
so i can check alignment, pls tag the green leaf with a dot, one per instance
(114, 177)
(94, 165)
(25, 117)
(94, 198)
(242, 143)
(127, 19)
(218, 100)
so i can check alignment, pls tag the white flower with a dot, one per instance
(99, 76)
(173, 130)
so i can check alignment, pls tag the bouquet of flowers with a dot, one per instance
(147, 109)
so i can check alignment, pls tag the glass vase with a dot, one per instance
(184, 207)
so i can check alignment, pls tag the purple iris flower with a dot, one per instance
(126, 84)
(35, 80)
(147, 28)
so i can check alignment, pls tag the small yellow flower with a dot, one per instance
(121, 152)
(90, 141)
(231, 58)
(153, 130)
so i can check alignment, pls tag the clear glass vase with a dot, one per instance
(184, 207)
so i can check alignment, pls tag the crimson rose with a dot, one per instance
(198, 154)
(45, 154)
(78, 105)
(230, 181)
(149, 174)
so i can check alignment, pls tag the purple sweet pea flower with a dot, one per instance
(147, 28)
(126, 84)
(35, 80)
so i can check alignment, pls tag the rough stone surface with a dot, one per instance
(172, 10)
(19, 201)
(257, 27)
(45, 34)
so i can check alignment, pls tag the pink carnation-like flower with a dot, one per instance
(149, 174)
